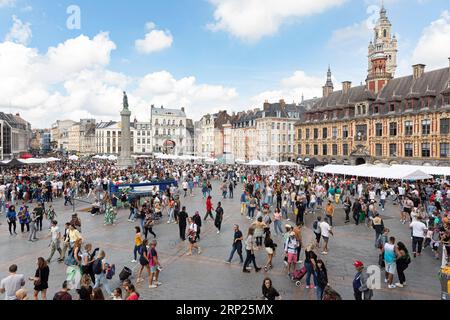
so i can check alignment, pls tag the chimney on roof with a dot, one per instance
(182, 109)
(266, 106)
(346, 86)
(418, 71)
(162, 107)
(17, 114)
(282, 104)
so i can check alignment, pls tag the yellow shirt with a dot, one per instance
(138, 239)
(74, 235)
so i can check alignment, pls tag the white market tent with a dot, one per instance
(255, 163)
(271, 163)
(38, 160)
(211, 160)
(289, 164)
(240, 161)
(74, 158)
(376, 171)
(433, 170)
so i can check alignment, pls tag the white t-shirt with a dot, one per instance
(418, 228)
(325, 229)
(383, 195)
(12, 284)
(401, 191)
(54, 231)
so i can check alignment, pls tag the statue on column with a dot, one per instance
(125, 101)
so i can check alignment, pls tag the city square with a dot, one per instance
(125, 177)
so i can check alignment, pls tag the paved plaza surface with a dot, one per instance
(207, 276)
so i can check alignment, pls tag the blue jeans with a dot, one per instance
(132, 214)
(171, 215)
(309, 272)
(100, 279)
(251, 212)
(136, 251)
(284, 212)
(233, 251)
(319, 293)
(277, 227)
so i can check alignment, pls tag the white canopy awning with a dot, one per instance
(376, 171)
(255, 163)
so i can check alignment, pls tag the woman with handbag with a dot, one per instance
(40, 279)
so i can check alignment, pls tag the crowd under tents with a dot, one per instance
(28, 161)
(397, 172)
(271, 163)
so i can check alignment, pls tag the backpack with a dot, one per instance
(315, 226)
(110, 271)
(97, 266)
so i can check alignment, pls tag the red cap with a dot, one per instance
(358, 264)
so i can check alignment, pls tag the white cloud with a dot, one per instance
(358, 34)
(251, 20)
(433, 48)
(7, 3)
(20, 32)
(161, 88)
(292, 88)
(155, 40)
(72, 80)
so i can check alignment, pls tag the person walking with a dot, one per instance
(137, 243)
(12, 283)
(243, 202)
(182, 218)
(290, 248)
(322, 279)
(209, 208)
(66, 244)
(99, 268)
(277, 216)
(250, 247)
(144, 261)
(390, 252)
(356, 209)
(361, 291)
(270, 249)
(402, 262)
(24, 219)
(317, 231)
(219, 217)
(311, 266)
(11, 218)
(33, 227)
(329, 210)
(148, 224)
(378, 226)
(237, 244)
(155, 266)
(55, 243)
(40, 279)
(325, 230)
(419, 230)
(192, 236)
(347, 208)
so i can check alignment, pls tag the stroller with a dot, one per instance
(298, 275)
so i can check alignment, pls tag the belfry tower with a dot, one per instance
(382, 58)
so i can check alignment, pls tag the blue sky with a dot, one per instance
(238, 58)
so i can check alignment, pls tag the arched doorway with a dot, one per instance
(360, 161)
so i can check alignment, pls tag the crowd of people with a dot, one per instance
(276, 204)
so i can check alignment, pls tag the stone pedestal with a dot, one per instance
(125, 161)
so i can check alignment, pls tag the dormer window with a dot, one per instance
(392, 107)
(376, 109)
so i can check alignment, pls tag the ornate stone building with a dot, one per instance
(391, 120)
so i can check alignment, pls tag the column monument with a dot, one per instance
(125, 161)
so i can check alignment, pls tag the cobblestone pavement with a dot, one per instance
(207, 276)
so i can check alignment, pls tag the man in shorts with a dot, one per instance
(325, 229)
(390, 253)
(154, 266)
(290, 248)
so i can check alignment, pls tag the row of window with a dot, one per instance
(284, 126)
(425, 152)
(393, 130)
(168, 122)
